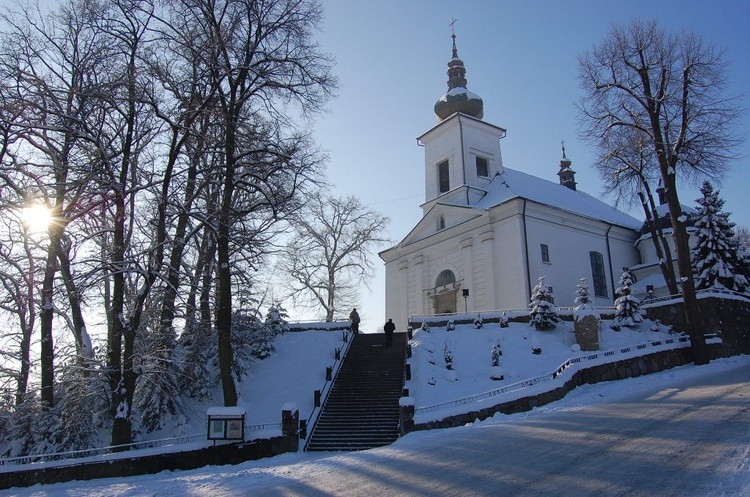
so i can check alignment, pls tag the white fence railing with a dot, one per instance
(126, 450)
(575, 362)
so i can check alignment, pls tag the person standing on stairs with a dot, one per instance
(354, 318)
(389, 328)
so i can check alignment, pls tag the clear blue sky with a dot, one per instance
(521, 58)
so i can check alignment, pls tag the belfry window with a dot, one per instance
(483, 169)
(444, 182)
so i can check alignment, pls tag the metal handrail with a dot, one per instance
(312, 419)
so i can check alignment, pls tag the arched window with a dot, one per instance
(445, 278)
(598, 275)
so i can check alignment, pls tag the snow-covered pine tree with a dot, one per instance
(276, 319)
(718, 261)
(584, 304)
(543, 311)
(627, 307)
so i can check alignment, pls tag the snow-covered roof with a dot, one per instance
(514, 184)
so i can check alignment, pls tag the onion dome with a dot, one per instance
(458, 98)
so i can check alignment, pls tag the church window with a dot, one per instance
(597, 272)
(444, 183)
(483, 169)
(445, 278)
(545, 253)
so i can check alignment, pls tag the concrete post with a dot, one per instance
(290, 426)
(406, 415)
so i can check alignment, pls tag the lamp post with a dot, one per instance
(465, 293)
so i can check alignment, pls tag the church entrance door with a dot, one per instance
(445, 303)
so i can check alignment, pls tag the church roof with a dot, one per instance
(512, 184)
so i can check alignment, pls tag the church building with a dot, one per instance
(488, 232)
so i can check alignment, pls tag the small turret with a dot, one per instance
(566, 174)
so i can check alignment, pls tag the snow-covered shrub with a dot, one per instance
(536, 348)
(448, 356)
(503, 320)
(543, 311)
(656, 325)
(425, 327)
(717, 259)
(478, 322)
(627, 307)
(497, 373)
(451, 325)
(497, 351)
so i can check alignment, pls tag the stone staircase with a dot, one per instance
(362, 409)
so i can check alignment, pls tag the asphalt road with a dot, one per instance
(684, 435)
(680, 440)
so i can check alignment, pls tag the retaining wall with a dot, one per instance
(626, 368)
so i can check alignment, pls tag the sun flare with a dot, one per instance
(36, 218)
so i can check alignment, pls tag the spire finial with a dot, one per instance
(453, 35)
(562, 142)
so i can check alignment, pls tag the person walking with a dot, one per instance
(354, 318)
(389, 328)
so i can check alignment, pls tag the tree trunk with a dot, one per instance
(693, 320)
(46, 315)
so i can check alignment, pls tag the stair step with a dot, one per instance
(362, 409)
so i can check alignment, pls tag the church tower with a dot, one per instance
(462, 152)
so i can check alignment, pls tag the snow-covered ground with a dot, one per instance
(298, 367)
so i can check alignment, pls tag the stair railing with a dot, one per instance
(322, 395)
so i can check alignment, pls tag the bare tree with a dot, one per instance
(669, 90)
(261, 58)
(627, 168)
(328, 258)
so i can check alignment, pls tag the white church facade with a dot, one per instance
(489, 232)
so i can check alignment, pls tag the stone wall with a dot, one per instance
(627, 368)
(218, 455)
(729, 318)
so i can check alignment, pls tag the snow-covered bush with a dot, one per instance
(536, 348)
(451, 325)
(543, 311)
(627, 307)
(497, 351)
(503, 320)
(717, 259)
(425, 327)
(478, 322)
(448, 356)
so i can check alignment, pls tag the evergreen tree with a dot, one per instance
(718, 261)
(584, 304)
(627, 307)
(543, 311)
